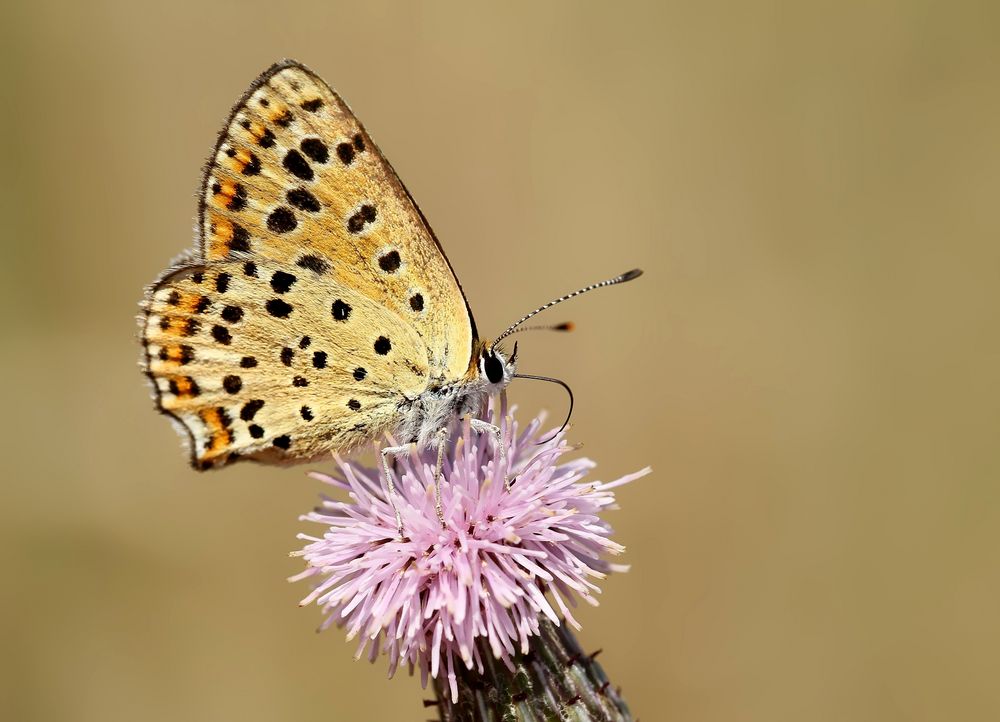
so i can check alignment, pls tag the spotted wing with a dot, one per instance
(276, 363)
(296, 179)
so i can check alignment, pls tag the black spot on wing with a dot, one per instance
(250, 409)
(341, 311)
(240, 240)
(364, 216)
(345, 151)
(390, 262)
(182, 354)
(282, 281)
(252, 166)
(303, 200)
(184, 386)
(221, 334)
(278, 308)
(236, 201)
(267, 139)
(239, 200)
(315, 149)
(282, 220)
(313, 263)
(297, 165)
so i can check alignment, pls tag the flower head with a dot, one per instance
(503, 558)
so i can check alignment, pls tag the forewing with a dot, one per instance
(276, 363)
(296, 179)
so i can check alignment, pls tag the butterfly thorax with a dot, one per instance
(443, 403)
(438, 407)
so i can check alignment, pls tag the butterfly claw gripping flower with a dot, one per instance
(505, 561)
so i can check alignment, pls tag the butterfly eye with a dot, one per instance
(493, 368)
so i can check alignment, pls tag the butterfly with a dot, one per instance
(318, 311)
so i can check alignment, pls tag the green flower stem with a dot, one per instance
(554, 681)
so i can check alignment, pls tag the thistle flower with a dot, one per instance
(505, 560)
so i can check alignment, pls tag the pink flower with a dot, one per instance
(504, 558)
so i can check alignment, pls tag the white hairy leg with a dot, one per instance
(442, 438)
(483, 427)
(392, 487)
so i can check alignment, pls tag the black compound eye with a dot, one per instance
(493, 368)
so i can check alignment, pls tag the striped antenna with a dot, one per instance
(564, 326)
(627, 276)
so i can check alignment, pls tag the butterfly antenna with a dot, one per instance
(568, 391)
(627, 276)
(564, 326)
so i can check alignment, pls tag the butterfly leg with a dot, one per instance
(392, 487)
(483, 427)
(442, 439)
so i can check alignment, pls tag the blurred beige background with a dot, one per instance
(810, 363)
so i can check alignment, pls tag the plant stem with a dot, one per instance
(555, 681)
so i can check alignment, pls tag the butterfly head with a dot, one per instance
(495, 368)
